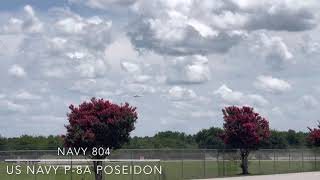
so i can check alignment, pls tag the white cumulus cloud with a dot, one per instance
(271, 84)
(29, 23)
(274, 50)
(177, 28)
(309, 102)
(188, 70)
(17, 71)
(130, 67)
(239, 98)
(25, 95)
(180, 93)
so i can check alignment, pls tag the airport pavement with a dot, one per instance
(292, 176)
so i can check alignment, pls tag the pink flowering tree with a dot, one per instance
(314, 136)
(99, 124)
(244, 129)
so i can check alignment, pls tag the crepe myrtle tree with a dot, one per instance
(244, 129)
(99, 124)
(314, 136)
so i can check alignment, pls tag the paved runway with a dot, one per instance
(292, 176)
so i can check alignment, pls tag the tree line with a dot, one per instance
(204, 139)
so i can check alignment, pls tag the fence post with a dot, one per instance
(204, 163)
(317, 157)
(161, 168)
(315, 160)
(131, 164)
(182, 173)
(289, 160)
(302, 160)
(259, 156)
(218, 163)
(223, 169)
(35, 175)
(71, 169)
(274, 161)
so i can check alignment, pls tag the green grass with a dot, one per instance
(175, 170)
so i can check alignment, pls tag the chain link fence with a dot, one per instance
(175, 164)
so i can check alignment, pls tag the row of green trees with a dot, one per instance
(210, 139)
(204, 139)
(101, 123)
(27, 142)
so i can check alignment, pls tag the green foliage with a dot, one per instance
(163, 140)
(206, 138)
(209, 138)
(277, 140)
(26, 142)
(139, 143)
(168, 139)
(3, 142)
(296, 139)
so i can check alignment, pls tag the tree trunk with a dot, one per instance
(98, 175)
(244, 161)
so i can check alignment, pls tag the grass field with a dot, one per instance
(175, 170)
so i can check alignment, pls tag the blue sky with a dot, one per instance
(13, 5)
(187, 59)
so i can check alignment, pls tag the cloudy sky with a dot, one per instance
(185, 59)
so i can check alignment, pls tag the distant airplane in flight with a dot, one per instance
(136, 96)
